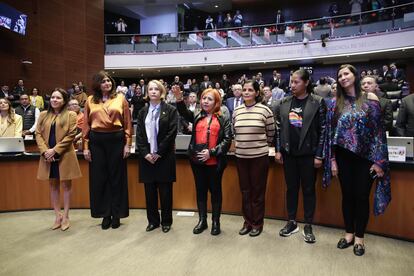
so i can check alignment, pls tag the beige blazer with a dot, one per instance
(68, 163)
(14, 129)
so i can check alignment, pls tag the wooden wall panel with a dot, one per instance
(19, 192)
(58, 33)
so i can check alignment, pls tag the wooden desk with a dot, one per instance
(19, 190)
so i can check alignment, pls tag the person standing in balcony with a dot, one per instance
(209, 23)
(238, 19)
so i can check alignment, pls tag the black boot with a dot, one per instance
(202, 223)
(215, 227)
(201, 226)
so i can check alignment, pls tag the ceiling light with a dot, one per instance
(216, 6)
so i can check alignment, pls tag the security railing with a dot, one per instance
(375, 21)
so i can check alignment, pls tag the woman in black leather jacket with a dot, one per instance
(210, 141)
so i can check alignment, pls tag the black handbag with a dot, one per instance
(195, 149)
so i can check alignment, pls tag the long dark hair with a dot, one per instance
(304, 75)
(340, 93)
(96, 86)
(256, 87)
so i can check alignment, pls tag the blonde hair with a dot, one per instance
(160, 86)
(11, 113)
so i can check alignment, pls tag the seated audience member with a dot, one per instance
(235, 101)
(225, 85)
(278, 93)
(79, 95)
(73, 105)
(36, 99)
(388, 84)
(177, 82)
(206, 83)
(220, 90)
(137, 102)
(268, 96)
(369, 85)
(122, 88)
(4, 93)
(333, 89)
(130, 93)
(187, 86)
(10, 123)
(194, 87)
(323, 89)
(19, 88)
(192, 102)
(29, 113)
(405, 119)
(397, 74)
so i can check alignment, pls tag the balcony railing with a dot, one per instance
(375, 21)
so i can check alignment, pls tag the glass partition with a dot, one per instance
(375, 21)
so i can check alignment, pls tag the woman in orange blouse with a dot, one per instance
(107, 143)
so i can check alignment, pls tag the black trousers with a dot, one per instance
(300, 171)
(253, 179)
(208, 178)
(166, 200)
(356, 183)
(108, 181)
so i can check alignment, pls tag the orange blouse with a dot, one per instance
(201, 135)
(109, 116)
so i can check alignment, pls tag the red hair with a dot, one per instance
(217, 99)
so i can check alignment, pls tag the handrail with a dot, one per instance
(270, 24)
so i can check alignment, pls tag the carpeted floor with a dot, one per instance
(28, 247)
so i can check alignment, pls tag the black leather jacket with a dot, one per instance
(224, 137)
(312, 136)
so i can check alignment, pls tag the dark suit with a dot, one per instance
(386, 111)
(204, 85)
(280, 83)
(230, 104)
(158, 176)
(405, 119)
(299, 168)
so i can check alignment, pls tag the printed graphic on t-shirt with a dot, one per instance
(295, 117)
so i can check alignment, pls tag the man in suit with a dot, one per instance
(405, 119)
(277, 81)
(225, 84)
(206, 83)
(4, 93)
(235, 101)
(143, 87)
(369, 85)
(29, 113)
(397, 74)
(389, 85)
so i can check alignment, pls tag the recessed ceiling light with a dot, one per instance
(216, 6)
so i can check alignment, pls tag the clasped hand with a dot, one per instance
(49, 155)
(203, 155)
(152, 157)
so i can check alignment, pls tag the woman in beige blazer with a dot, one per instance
(55, 132)
(10, 122)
